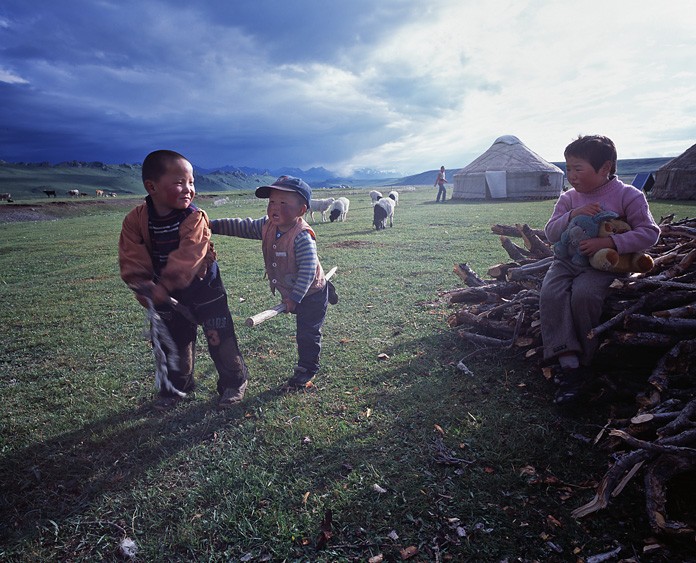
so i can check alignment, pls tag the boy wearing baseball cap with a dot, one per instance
(293, 268)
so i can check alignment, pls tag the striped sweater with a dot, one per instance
(304, 246)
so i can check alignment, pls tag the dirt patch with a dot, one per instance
(60, 209)
(350, 244)
(18, 213)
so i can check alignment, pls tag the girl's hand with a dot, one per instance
(591, 246)
(590, 209)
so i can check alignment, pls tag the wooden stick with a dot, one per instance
(273, 311)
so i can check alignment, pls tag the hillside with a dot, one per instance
(27, 181)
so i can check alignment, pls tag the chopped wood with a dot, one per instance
(514, 251)
(654, 313)
(510, 231)
(469, 277)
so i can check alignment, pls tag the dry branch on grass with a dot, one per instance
(651, 315)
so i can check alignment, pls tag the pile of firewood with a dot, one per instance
(648, 331)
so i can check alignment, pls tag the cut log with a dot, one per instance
(510, 231)
(514, 251)
(678, 312)
(533, 243)
(671, 325)
(468, 276)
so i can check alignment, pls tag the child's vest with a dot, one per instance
(281, 264)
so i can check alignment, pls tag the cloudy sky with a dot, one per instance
(402, 85)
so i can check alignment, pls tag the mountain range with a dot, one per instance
(29, 180)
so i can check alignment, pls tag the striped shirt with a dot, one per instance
(164, 233)
(304, 245)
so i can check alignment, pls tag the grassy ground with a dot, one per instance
(85, 461)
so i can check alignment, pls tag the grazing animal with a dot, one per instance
(320, 206)
(375, 196)
(83, 194)
(384, 209)
(112, 194)
(339, 209)
(100, 193)
(50, 193)
(8, 197)
(73, 193)
(395, 196)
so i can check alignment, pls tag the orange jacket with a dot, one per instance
(192, 259)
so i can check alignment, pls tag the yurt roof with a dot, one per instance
(687, 159)
(510, 154)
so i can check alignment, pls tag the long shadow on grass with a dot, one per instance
(67, 476)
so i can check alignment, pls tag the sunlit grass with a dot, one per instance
(82, 450)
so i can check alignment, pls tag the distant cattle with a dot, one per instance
(112, 194)
(73, 193)
(50, 193)
(8, 197)
(100, 193)
(83, 194)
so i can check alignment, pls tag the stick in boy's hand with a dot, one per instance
(273, 311)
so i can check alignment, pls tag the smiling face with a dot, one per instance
(284, 208)
(582, 175)
(174, 189)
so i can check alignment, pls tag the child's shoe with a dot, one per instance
(163, 404)
(300, 378)
(570, 383)
(232, 396)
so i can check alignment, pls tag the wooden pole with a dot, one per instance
(273, 311)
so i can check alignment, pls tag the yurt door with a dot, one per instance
(497, 184)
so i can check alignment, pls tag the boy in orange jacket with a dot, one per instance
(165, 252)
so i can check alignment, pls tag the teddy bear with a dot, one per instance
(610, 260)
(580, 228)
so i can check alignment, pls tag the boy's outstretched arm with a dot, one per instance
(243, 228)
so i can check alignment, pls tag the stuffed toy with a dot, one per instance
(580, 228)
(610, 260)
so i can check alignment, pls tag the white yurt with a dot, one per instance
(508, 170)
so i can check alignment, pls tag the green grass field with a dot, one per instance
(86, 462)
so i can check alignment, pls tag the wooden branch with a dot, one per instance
(535, 245)
(646, 339)
(656, 478)
(660, 324)
(486, 340)
(652, 446)
(514, 251)
(497, 328)
(637, 306)
(468, 276)
(510, 231)
(530, 270)
(626, 465)
(678, 312)
(273, 311)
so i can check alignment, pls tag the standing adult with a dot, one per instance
(440, 184)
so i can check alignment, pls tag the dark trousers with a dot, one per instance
(207, 300)
(310, 318)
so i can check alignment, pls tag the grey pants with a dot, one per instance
(570, 306)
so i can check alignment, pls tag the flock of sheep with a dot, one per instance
(338, 208)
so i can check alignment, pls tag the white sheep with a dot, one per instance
(384, 209)
(339, 209)
(320, 206)
(395, 196)
(375, 196)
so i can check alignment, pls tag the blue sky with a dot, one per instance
(401, 85)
